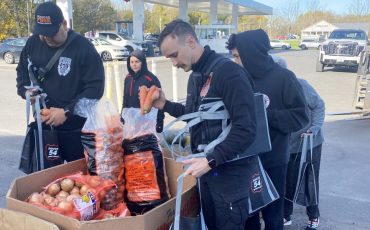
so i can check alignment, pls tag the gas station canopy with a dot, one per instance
(246, 7)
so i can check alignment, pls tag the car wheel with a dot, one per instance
(130, 49)
(106, 56)
(319, 66)
(9, 58)
(303, 47)
(284, 47)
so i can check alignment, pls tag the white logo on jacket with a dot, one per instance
(64, 66)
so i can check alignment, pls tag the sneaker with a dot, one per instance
(287, 221)
(313, 224)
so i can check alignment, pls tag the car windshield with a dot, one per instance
(103, 42)
(125, 36)
(16, 41)
(357, 35)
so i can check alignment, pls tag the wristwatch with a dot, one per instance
(212, 163)
(67, 113)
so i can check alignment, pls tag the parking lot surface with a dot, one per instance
(344, 181)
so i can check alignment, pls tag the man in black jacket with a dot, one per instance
(286, 113)
(77, 73)
(224, 186)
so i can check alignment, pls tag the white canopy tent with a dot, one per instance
(212, 7)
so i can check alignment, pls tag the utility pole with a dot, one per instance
(28, 20)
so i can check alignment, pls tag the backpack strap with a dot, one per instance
(195, 82)
(44, 70)
(215, 64)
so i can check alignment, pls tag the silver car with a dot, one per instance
(107, 51)
(279, 44)
(310, 43)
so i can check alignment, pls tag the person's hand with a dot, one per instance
(198, 166)
(55, 117)
(160, 101)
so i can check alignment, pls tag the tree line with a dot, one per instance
(17, 16)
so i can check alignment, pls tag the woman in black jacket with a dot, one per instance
(139, 75)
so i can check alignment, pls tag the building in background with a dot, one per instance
(324, 28)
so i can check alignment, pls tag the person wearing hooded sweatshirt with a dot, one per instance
(316, 110)
(286, 113)
(139, 75)
(224, 185)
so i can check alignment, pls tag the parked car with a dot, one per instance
(153, 39)
(279, 44)
(11, 49)
(344, 47)
(282, 37)
(310, 43)
(293, 36)
(107, 51)
(122, 40)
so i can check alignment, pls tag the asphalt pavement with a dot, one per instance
(344, 176)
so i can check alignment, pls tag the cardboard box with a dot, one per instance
(159, 218)
(10, 220)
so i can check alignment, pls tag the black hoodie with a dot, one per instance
(235, 86)
(286, 111)
(133, 81)
(78, 73)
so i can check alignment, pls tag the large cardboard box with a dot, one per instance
(10, 220)
(159, 218)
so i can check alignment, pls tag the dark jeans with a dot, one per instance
(272, 213)
(312, 211)
(224, 200)
(70, 145)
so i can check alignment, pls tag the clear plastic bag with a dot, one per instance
(102, 137)
(137, 124)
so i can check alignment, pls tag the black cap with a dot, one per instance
(48, 18)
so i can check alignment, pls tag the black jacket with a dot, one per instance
(234, 86)
(133, 81)
(287, 109)
(78, 73)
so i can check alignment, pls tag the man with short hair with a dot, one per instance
(286, 113)
(77, 73)
(224, 185)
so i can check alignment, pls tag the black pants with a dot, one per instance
(224, 199)
(312, 211)
(272, 213)
(70, 145)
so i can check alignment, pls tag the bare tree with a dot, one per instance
(360, 8)
(314, 5)
(290, 11)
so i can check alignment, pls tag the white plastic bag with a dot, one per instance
(137, 124)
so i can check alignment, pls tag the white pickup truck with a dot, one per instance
(344, 47)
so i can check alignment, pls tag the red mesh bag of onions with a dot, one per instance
(78, 196)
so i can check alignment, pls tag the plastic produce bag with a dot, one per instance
(145, 175)
(137, 124)
(102, 139)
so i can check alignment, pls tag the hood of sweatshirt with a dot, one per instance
(144, 68)
(253, 47)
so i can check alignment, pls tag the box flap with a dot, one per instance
(10, 220)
